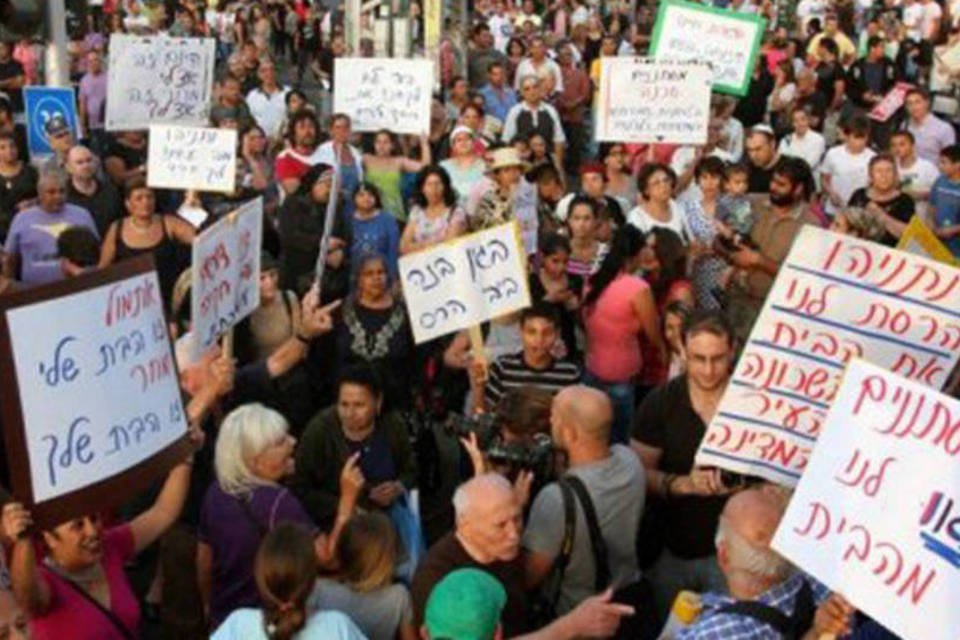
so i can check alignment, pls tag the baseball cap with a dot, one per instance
(465, 605)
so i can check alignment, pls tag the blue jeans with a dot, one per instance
(623, 397)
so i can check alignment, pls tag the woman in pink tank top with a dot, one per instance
(618, 309)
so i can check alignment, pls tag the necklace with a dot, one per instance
(142, 228)
(372, 346)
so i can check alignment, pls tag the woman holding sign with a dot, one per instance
(79, 590)
(146, 231)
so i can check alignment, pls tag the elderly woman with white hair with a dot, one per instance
(254, 453)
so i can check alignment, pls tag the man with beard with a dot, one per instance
(302, 153)
(668, 428)
(780, 216)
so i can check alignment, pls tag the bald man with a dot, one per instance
(487, 536)
(87, 187)
(758, 575)
(616, 485)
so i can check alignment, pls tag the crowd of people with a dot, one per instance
(349, 483)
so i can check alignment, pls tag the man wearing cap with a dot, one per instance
(31, 247)
(60, 139)
(467, 603)
(761, 148)
(511, 198)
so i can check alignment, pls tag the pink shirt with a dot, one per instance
(613, 331)
(72, 616)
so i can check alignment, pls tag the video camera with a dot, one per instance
(534, 453)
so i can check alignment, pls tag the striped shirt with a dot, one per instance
(511, 371)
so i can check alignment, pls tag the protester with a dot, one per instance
(284, 575)
(435, 215)
(31, 244)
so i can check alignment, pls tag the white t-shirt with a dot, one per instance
(913, 15)
(247, 624)
(848, 172)
(809, 148)
(919, 177)
(642, 220)
(931, 14)
(548, 67)
(502, 29)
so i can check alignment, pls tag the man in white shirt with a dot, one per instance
(539, 65)
(846, 166)
(917, 175)
(930, 23)
(804, 142)
(268, 102)
(930, 132)
(913, 14)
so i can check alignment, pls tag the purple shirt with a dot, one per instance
(233, 531)
(33, 237)
(93, 95)
(932, 136)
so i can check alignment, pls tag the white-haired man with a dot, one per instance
(768, 599)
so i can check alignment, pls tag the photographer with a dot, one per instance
(579, 540)
(687, 501)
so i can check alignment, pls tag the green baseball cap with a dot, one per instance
(465, 605)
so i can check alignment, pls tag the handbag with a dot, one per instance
(643, 624)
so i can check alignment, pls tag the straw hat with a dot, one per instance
(505, 157)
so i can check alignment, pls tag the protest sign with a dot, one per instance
(729, 41)
(891, 102)
(919, 240)
(41, 105)
(195, 158)
(643, 100)
(159, 80)
(226, 274)
(92, 412)
(876, 516)
(463, 282)
(835, 298)
(385, 93)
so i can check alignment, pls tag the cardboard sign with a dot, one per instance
(834, 299)
(464, 282)
(728, 41)
(192, 158)
(226, 274)
(891, 102)
(159, 80)
(92, 411)
(385, 93)
(643, 100)
(919, 240)
(41, 104)
(876, 516)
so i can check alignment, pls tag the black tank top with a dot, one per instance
(166, 255)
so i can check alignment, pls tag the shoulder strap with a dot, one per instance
(559, 568)
(597, 543)
(110, 615)
(790, 627)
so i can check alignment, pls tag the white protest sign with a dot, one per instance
(192, 158)
(464, 282)
(876, 516)
(643, 100)
(835, 298)
(158, 80)
(91, 388)
(226, 274)
(728, 41)
(385, 93)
